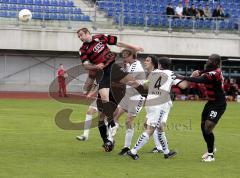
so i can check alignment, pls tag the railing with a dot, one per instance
(120, 19)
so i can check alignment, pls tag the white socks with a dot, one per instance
(142, 140)
(156, 140)
(88, 121)
(163, 140)
(128, 137)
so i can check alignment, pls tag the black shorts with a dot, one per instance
(112, 73)
(115, 100)
(213, 111)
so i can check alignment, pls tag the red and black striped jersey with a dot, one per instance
(214, 85)
(97, 51)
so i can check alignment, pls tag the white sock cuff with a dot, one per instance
(146, 135)
(88, 117)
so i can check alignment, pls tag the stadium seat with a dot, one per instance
(61, 17)
(13, 1)
(77, 10)
(37, 9)
(37, 16)
(29, 2)
(69, 3)
(53, 16)
(62, 3)
(46, 2)
(54, 3)
(12, 7)
(12, 14)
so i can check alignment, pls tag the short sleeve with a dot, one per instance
(176, 81)
(83, 55)
(112, 40)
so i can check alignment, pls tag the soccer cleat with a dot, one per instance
(124, 151)
(170, 155)
(133, 156)
(209, 158)
(82, 138)
(206, 154)
(155, 150)
(108, 146)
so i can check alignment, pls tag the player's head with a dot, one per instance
(151, 62)
(128, 55)
(61, 66)
(164, 63)
(213, 62)
(84, 35)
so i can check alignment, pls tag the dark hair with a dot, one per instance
(215, 58)
(129, 52)
(165, 62)
(154, 60)
(85, 30)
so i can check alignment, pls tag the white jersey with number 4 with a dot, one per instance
(158, 102)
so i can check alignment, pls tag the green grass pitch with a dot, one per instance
(31, 145)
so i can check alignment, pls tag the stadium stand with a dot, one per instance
(43, 9)
(153, 13)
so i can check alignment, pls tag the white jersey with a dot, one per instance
(159, 87)
(136, 71)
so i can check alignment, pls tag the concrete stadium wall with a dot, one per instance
(34, 72)
(198, 44)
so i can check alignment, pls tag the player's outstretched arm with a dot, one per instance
(88, 66)
(132, 47)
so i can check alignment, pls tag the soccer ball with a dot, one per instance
(25, 15)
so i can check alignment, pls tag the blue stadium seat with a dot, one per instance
(85, 18)
(54, 9)
(69, 10)
(12, 14)
(62, 3)
(69, 3)
(12, 7)
(45, 9)
(141, 20)
(38, 2)
(46, 2)
(77, 18)
(4, 7)
(53, 16)
(46, 17)
(13, 1)
(77, 10)
(37, 16)
(54, 3)
(155, 22)
(21, 1)
(29, 2)
(37, 9)
(61, 10)
(29, 7)
(133, 20)
(3, 13)
(61, 17)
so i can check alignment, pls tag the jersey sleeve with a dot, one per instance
(177, 81)
(214, 76)
(83, 55)
(107, 39)
(112, 40)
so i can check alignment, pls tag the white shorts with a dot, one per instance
(132, 105)
(157, 114)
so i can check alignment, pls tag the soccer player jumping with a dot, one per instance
(215, 107)
(96, 55)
